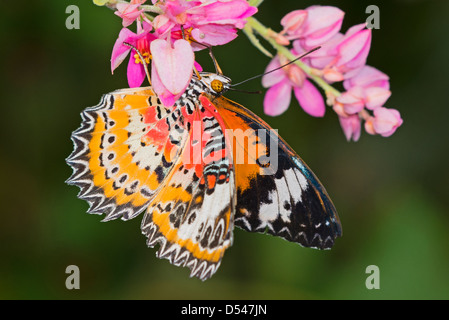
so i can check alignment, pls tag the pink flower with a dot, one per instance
(356, 98)
(231, 12)
(313, 26)
(368, 77)
(129, 12)
(181, 21)
(172, 65)
(208, 22)
(141, 40)
(352, 50)
(385, 122)
(342, 56)
(293, 21)
(175, 10)
(345, 55)
(369, 88)
(281, 83)
(351, 126)
(353, 100)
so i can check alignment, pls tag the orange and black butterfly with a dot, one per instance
(192, 176)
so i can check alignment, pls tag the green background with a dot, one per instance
(391, 193)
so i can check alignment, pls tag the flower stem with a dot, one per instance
(153, 9)
(253, 39)
(267, 34)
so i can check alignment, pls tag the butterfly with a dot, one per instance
(195, 171)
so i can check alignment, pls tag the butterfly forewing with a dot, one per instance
(289, 202)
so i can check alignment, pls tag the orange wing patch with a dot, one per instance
(247, 149)
(290, 202)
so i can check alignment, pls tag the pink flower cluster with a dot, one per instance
(170, 31)
(342, 57)
(168, 41)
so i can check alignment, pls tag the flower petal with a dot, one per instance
(176, 10)
(369, 126)
(353, 95)
(386, 121)
(351, 126)
(162, 24)
(339, 109)
(368, 77)
(233, 12)
(167, 98)
(354, 48)
(332, 75)
(323, 57)
(128, 12)
(352, 100)
(293, 21)
(135, 73)
(323, 22)
(310, 99)
(296, 75)
(174, 64)
(198, 67)
(274, 77)
(214, 34)
(120, 51)
(277, 99)
(376, 97)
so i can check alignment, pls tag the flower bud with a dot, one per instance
(386, 121)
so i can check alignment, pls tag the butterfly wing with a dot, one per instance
(191, 218)
(283, 197)
(123, 151)
(132, 154)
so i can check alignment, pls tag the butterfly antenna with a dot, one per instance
(288, 63)
(244, 91)
(145, 65)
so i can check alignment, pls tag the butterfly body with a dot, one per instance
(195, 170)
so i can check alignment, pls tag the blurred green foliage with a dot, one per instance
(392, 194)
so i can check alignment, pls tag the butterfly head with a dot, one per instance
(216, 83)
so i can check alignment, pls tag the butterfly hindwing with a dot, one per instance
(288, 201)
(191, 218)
